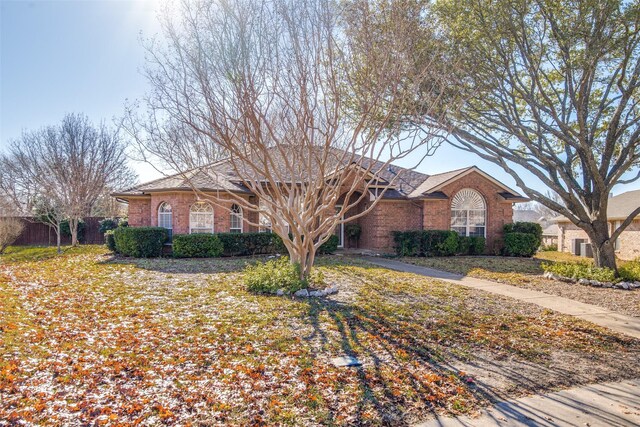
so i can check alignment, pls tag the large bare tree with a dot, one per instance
(65, 169)
(279, 88)
(550, 94)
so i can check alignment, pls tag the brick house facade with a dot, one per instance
(573, 239)
(421, 202)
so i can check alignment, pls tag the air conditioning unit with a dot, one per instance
(586, 250)
(577, 246)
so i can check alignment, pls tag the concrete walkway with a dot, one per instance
(606, 404)
(600, 316)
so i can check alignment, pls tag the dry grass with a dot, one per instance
(85, 339)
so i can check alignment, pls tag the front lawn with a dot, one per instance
(87, 339)
(527, 273)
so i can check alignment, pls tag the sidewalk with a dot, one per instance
(600, 316)
(606, 404)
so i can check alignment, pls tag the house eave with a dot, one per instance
(147, 193)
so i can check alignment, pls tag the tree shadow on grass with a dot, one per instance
(355, 327)
(206, 265)
(188, 265)
(349, 332)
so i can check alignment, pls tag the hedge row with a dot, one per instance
(244, 244)
(140, 242)
(436, 243)
(197, 246)
(522, 238)
(148, 242)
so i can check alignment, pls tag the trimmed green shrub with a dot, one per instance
(408, 243)
(472, 245)
(140, 242)
(515, 242)
(244, 244)
(579, 270)
(247, 244)
(272, 275)
(439, 242)
(110, 241)
(464, 245)
(111, 224)
(525, 227)
(549, 248)
(426, 242)
(477, 245)
(520, 244)
(199, 245)
(330, 246)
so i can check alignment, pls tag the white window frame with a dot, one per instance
(162, 217)
(341, 225)
(614, 227)
(201, 213)
(239, 216)
(467, 211)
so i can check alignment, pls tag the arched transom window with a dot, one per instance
(468, 213)
(236, 219)
(165, 217)
(201, 218)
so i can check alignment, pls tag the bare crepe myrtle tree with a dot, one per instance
(66, 168)
(551, 87)
(280, 91)
(46, 211)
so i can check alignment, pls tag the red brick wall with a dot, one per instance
(386, 217)
(437, 214)
(140, 212)
(144, 212)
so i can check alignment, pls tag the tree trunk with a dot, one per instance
(73, 227)
(603, 251)
(58, 240)
(303, 256)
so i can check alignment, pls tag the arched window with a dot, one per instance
(165, 217)
(201, 218)
(236, 219)
(468, 213)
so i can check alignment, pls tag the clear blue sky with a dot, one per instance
(58, 57)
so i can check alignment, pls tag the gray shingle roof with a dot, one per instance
(222, 176)
(551, 230)
(619, 207)
(434, 181)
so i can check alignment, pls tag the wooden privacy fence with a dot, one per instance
(37, 233)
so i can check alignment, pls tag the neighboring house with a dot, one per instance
(526, 215)
(466, 200)
(530, 215)
(550, 235)
(573, 239)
